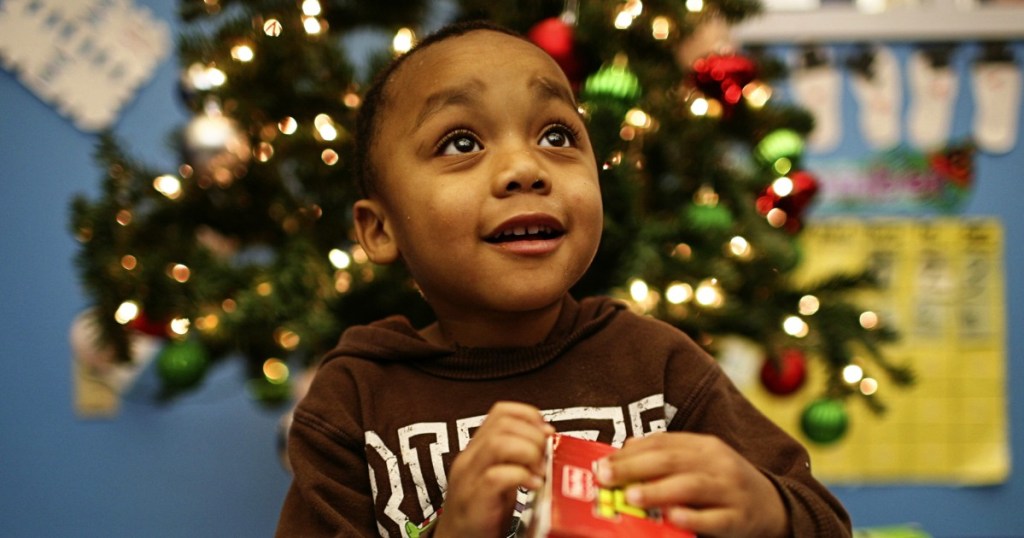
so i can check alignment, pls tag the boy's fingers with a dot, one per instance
(526, 413)
(713, 521)
(693, 489)
(620, 470)
(506, 477)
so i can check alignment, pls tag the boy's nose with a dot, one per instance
(521, 173)
(538, 185)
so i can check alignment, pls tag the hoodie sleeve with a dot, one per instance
(713, 405)
(330, 494)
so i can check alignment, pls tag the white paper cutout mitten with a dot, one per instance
(933, 92)
(879, 94)
(997, 89)
(818, 87)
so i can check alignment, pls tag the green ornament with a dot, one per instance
(181, 365)
(824, 421)
(779, 144)
(613, 82)
(709, 218)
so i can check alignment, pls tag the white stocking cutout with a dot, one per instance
(997, 89)
(879, 97)
(819, 90)
(933, 92)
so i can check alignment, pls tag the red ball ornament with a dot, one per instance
(786, 374)
(146, 325)
(792, 197)
(723, 77)
(557, 38)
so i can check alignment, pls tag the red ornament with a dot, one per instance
(723, 77)
(144, 324)
(785, 374)
(557, 38)
(955, 164)
(804, 187)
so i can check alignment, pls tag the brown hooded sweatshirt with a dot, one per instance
(371, 443)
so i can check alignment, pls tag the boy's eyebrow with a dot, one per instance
(546, 88)
(448, 96)
(542, 87)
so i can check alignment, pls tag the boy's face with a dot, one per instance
(487, 179)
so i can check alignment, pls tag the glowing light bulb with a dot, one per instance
(638, 118)
(660, 27)
(179, 272)
(325, 127)
(709, 293)
(623, 20)
(339, 258)
(638, 290)
(868, 386)
(272, 27)
(168, 186)
(782, 186)
(287, 339)
(782, 166)
(403, 41)
(776, 217)
(869, 320)
(796, 327)
(359, 255)
(312, 25)
(757, 93)
(853, 373)
(679, 293)
(263, 152)
(126, 312)
(243, 53)
(740, 247)
(694, 6)
(288, 125)
(180, 326)
(330, 157)
(311, 8)
(275, 370)
(699, 107)
(809, 305)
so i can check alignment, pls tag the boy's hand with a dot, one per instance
(506, 452)
(703, 484)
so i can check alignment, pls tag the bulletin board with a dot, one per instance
(942, 288)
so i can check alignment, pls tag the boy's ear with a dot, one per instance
(373, 231)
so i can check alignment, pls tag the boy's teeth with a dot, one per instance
(523, 231)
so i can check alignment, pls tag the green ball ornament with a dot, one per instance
(708, 218)
(780, 143)
(824, 421)
(612, 82)
(181, 365)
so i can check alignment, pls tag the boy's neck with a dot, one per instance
(494, 330)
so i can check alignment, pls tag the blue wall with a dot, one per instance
(208, 465)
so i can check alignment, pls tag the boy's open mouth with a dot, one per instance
(525, 233)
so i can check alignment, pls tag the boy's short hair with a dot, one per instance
(368, 121)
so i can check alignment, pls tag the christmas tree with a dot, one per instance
(245, 252)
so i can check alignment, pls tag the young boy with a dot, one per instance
(479, 177)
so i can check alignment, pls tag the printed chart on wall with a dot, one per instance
(942, 286)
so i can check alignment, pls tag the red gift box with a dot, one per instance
(573, 505)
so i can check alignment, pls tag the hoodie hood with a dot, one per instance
(395, 340)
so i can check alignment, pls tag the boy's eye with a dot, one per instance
(558, 136)
(458, 143)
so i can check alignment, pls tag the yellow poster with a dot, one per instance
(942, 289)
